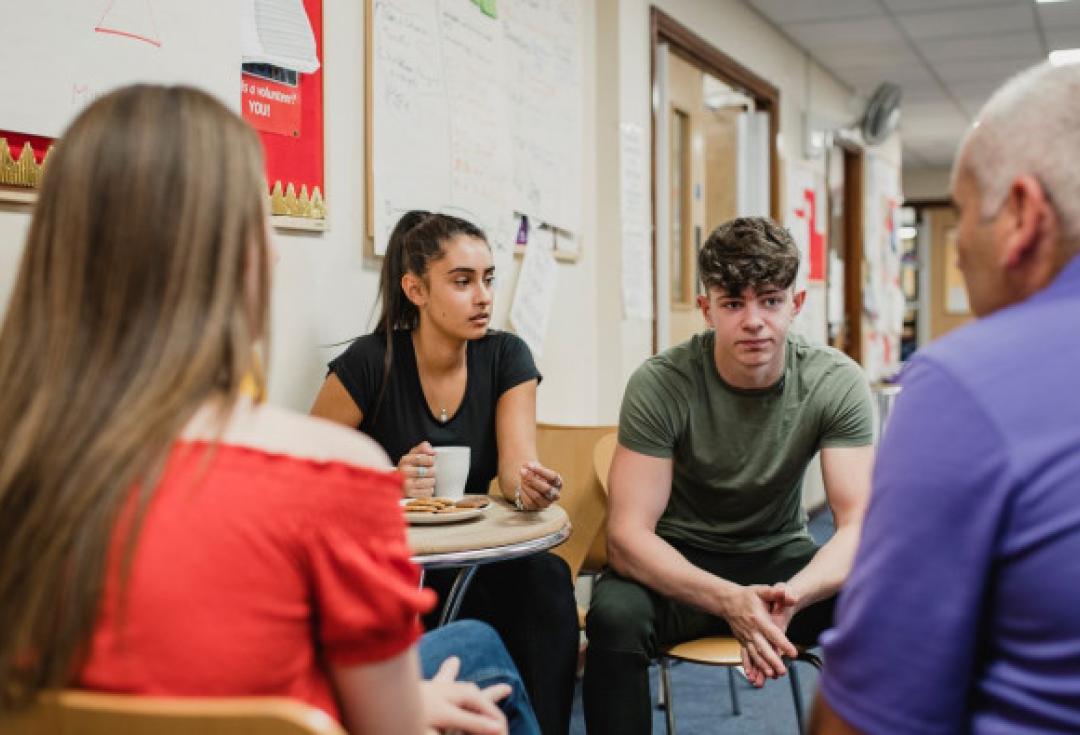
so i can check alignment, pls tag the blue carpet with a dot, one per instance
(702, 703)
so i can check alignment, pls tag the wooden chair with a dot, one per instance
(72, 712)
(569, 449)
(603, 452)
(710, 651)
(724, 651)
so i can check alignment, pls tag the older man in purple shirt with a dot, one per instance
(962, 613)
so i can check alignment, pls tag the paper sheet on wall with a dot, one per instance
(810, 323)
(441, 110)
(535, 294)
(883, 297)
(805, 217)
(501, 231)
(485, 110)
(278, 32)
(634, 206)
(74, 52)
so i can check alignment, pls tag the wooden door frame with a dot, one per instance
(663, 28)
(853, 248)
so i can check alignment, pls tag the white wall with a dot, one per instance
(926, 183)
(325, 288)
(13, 225)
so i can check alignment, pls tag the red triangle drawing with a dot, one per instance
(132, 19)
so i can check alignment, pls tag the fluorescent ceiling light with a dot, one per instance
(1041, 2)
(1064, 56)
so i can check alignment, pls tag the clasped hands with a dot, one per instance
(758, 616)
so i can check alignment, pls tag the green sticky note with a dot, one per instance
(488, 6)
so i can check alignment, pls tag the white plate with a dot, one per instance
(436, 519)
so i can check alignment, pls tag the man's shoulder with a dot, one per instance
(1021, 349)
(820, 364)
(676, 367)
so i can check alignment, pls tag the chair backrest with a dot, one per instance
(604, 450)
(603, 453)
(569, 449)
(89, 713)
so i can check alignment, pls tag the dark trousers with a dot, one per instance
(530, 603)
(629, 625)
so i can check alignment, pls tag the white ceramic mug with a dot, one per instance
(451, 471)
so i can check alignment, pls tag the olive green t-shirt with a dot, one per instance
(739, 455)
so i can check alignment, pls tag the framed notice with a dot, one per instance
(81, 49)
(282, 98)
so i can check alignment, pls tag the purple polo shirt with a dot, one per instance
(962, 613)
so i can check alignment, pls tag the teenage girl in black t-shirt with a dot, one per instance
(432, 373)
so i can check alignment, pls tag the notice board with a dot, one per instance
(66, 53)
(474, 109)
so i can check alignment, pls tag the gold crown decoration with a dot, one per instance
(23, 171)
(288, 203)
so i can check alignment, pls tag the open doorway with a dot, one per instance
(846, 263)
(714, 157)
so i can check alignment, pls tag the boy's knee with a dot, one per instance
(615, 625)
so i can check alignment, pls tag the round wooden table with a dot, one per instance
(501, 533)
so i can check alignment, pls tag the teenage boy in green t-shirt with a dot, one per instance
(707, 534)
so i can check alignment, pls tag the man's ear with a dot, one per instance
(1030, 225)
(414, 288)
(798, 300)
(703, 305)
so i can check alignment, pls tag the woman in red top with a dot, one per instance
(160, 534)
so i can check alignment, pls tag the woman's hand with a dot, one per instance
(458, 706)
(540, 487)
(418, 466)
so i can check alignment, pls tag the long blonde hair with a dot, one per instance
(134, 306)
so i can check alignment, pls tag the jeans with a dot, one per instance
(628, 625)
(530, 604)
(484, 661)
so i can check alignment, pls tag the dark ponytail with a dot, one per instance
(417, 240)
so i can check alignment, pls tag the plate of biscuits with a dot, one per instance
(433, 511)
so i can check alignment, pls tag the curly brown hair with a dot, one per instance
(748, 252)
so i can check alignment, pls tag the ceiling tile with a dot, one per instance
(973, 103)
(929, 94)
(907, 6)
(983, 70)
(968, 22)
(901, 75)
(785, 11)
(913, 109)
(845, 33)
(876, 55)
(911, 159)
(1059, 15)
(1024, 44)
(944, 130)
(1058, 38)
(938, 153)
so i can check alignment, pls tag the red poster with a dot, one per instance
(271, 107)
(289, 120)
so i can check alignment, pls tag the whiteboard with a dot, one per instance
(60, 55)
(474, 115)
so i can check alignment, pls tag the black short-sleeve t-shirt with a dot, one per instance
(496, 363)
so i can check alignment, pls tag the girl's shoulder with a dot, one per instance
(279, 431)
(498, 342)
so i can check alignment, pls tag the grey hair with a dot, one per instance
(1031, 125)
